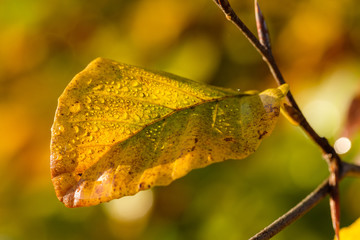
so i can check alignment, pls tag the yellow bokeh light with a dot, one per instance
(324, 116)
(130, 208)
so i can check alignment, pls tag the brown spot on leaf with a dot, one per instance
(141, 186)
(261, 135)
(229, 139)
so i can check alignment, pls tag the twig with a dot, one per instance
(305, 205)
(351, 170)
(263, 47)
(295, 213)
(225, 6)
(328, 150)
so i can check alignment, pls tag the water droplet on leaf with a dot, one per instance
(76, 107)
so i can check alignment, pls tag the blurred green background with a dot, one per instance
(43, 44)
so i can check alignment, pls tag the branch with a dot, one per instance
(264, 48)
(349, 169)
(295, 213)
(305, 205)
(329, 152)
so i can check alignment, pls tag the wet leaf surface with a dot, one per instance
(119, 129)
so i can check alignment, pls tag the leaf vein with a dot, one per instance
(101, 120)
(131, 98)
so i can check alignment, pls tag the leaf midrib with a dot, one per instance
(169, 114)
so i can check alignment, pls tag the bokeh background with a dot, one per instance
(43, 44)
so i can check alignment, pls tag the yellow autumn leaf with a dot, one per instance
(119, 129)
(351, 232)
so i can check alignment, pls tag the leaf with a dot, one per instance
(351, 232)
(119, 129)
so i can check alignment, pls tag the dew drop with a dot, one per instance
(81, 157)
(72, 155)
(61, 128)
(155, 115)
(98, 87)
(75, 108)
(68, 147)
(88, 100)
(136, 117)
(125, 115)
(135, 84)
(89, 81)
